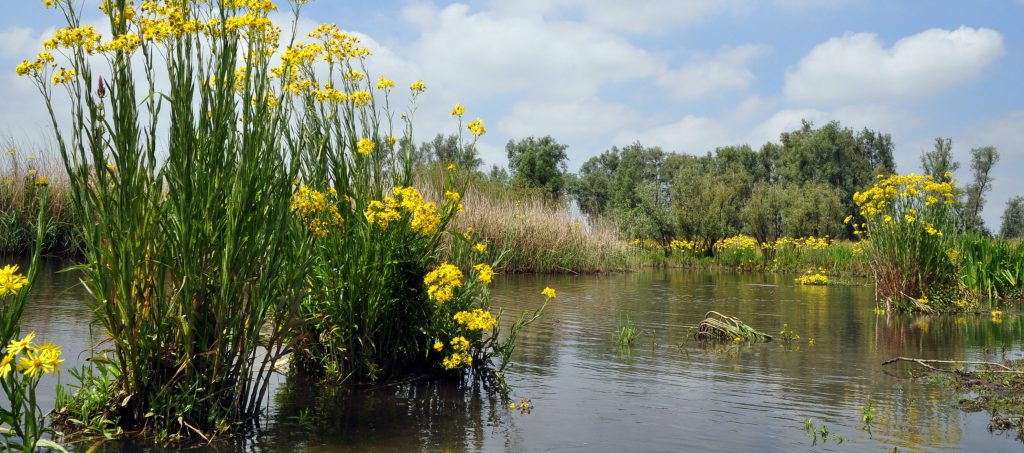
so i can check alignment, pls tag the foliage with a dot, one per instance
(449, 150)
(938, 163)
(1013, 219)
(23, 176)
(907, 218)
(23, 361)
(191, 256)
(538, 162)
(626, 333)
(982, 160)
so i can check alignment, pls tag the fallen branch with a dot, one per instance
(925, 363)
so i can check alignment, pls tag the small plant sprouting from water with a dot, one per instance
(524, 406)
(626, 333)
(788, 336)
(822, 432)
(867, 416)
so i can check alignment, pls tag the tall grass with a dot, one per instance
(538, 235)
(21, 166)
(193, 260)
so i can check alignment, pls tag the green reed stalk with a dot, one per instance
(191, 253)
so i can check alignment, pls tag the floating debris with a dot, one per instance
(719, 327)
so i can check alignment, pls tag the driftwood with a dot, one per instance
(719, 327)
(927, 363)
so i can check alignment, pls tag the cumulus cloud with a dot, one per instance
(486, 54)
(725, 70)
(574, 119)
(648, 16)
(858, 66)
(690, 135)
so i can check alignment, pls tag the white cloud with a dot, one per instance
(17, 42)
(485, 54)
(648, 16)
(690, 135)
(726, 70)
(859, 67)
(575, 119)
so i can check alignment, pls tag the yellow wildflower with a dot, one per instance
(478, 319)
(459, 110)
(418, 86)
(10, 280)
(476, 127)
(480, 247)
(442, 281)
(365, 146)
(549, 292)
(6, 365)
(438, 346)
(484, 273)
(384, 83)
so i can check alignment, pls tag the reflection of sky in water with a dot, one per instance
(663, 394)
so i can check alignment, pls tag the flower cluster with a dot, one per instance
(476, 127)
(681, 245)
(812, 278)
(549, 292)
(484, 273)
(309, 204)
(461, 356)
(807, 243)
(29, 358)
(738, 242)
(442, 281)
(10, 280)
(478, 319)
(888, 191)
(425, 216)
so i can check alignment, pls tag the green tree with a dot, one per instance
(448, 150)
(539, 163)
(762, 213)
(706, 204)
(982, 160)
(836, 157)
(939, 161)
(811, 209)
(1013, 219)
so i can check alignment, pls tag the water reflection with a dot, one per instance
(665, 393)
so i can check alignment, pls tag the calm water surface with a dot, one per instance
(665, 393)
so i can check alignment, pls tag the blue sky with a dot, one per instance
(686, 75)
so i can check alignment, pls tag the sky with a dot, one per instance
(685, 75)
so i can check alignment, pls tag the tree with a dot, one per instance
(498, 174)
(982, 160)
(448, 150)
(761, 214)
(538, 163)
(1013, 219)
(707, 205)
(836, 157)
(939, 161)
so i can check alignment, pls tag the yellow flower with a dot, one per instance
(476, 127)
(365, 146)
(10, 280)
(478, 319)
(442, 281)
(384, 84)
(459, 110)
(484, 273)
(549, 292)
(480, 247)
(418, 87)
(16, 346)
(997, 313)
(63, 76)
(34, 364)
(452, 167)
(392, 140)
(32, 172)
(42, 181)
(452, 362)
(460, 344)
(5, 365)
(438, 346)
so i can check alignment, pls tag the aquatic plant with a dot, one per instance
(23, 361)
(178, 156)
(812, 277)
(910, 221)
(626, 332)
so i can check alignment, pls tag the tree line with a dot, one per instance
(801, 186)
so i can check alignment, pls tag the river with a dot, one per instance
(666, 392)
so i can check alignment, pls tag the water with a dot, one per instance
(665, 393)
